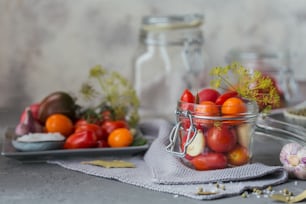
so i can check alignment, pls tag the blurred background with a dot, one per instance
(49, 45)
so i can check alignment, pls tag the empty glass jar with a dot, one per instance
(272, 64)
(168, 60)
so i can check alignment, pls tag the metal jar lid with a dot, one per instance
(172, 22)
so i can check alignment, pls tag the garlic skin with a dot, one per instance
(288, 149)
(29, 125)
(293, 158)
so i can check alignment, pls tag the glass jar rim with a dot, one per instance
(172, 22)
(186, 109)
(253, 54)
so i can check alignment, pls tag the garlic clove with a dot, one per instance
(197, 145)
(29, 125)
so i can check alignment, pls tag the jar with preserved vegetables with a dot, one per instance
(168, 60)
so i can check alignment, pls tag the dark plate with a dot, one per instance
(9, 151)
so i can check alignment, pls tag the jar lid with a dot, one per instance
(156, 23)
(250, 54)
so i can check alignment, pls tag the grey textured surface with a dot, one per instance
(48, 183)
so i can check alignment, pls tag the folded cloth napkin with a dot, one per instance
(161, 171)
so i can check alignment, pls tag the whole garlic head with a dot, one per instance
(293, 158)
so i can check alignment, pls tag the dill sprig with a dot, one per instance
(250, 84)
(115, 92)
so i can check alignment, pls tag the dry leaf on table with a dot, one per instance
(111, 164)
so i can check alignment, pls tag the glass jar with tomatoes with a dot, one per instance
(215, 132)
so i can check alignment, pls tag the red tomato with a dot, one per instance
(81, 139)
(100, 133)
(102, 143)
(209, 161)
(221, 138)
(106, 115)
(110, 126)
(187, 106)
(238, 156)
(208, 94)
(186, 124)
(187, 96)
(80, 122)
(220, 100)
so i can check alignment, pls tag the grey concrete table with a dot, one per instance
(46, 183)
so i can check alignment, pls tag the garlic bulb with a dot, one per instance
(293, 158)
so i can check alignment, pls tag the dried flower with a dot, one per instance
(250, 84)
(116, 94)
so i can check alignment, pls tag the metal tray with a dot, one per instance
(9, 151)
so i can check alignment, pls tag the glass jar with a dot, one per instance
(206, 141)
(168, 60)
(273, 64)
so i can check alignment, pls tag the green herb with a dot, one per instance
(115, 94)
(252, 85)
(139, 141)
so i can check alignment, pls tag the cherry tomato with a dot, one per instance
(233, 106)
(98, 130)
(209, 161)
(81, 139)
(220, 100)
(207, 108)
(187, 96)
(102, 144)
(80, 122)
(106, 115)
(110, 126)
(221, 138)
(120, 137)
(238, 156)
(59, 123)
(208, 94)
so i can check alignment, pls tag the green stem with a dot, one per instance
(227, 82)
(100, 81)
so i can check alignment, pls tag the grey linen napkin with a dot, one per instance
(159, 170)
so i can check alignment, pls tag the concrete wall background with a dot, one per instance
(49, 45)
